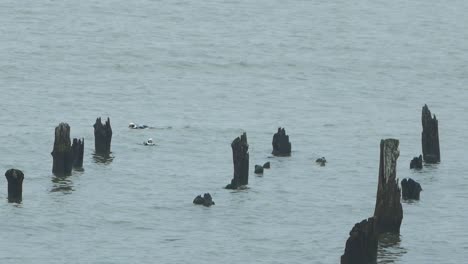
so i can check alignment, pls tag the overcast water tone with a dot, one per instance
(338, 75)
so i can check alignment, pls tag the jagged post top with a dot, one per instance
(426, 115)
(14, 173)
(99, 124)
(281, 131)
(242, 140)
(62, 135)
(78, 141)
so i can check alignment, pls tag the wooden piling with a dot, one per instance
(15, 185)
(388, 212)
(281, 144)
(62, 153)
(240, 156)
(102, 137)
(430, 137)
(78, 151)
(361, 246)
(410, 189)
(416, 163)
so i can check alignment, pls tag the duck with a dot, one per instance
(149, 142)
(135, 126)
(321, 161)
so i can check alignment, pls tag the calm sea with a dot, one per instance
(338, 75)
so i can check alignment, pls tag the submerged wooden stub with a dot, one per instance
(388, 212)
(281, 144)
(15, 185)
(361, 246)
(102, 136)
(206, 200)
(258, 169)
(78, 151)
(62, 152)
(430, 137)
(240, 157)
(410, 189)
(416, 163)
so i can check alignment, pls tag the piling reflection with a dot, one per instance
(103, 158)
(389, 250)
(62, 184)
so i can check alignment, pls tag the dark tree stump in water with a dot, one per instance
(416, 163)
(62, 152)
(102, 137)
(410, 189)
(281, 144)
(15, 185)
(240, 157)
(388, 212)
(430, 137)
(78, 151)
(361, 246)
(266, 165)
(258, 169)
(206, 200)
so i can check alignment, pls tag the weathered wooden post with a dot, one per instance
(430, 137)
(206, 200)
(416, 163)
(361, 246)
(410, 189)
(78, 151)
(281, 144)
(258, 169)
(388, 212)
(62, 152)
(240, 157)
(102, 137)
(15, 185)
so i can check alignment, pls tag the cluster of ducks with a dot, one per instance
(148, 142)
(137, 126)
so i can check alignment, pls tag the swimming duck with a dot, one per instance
(149, 142)
(135, 126)
(321, 161)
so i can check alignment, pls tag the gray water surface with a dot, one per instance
(339, 75)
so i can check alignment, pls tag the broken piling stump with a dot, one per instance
(78, 151)
(258, 169)
(410, 189)
(240, 157)
(62, 153)
(430, 137)
(266, 165)
(15, 185)
(102, 137)
(388, 212)
(206, 200)
(281, 144)
(416, 163)
(361, 246)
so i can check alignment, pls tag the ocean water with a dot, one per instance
(338, 75)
